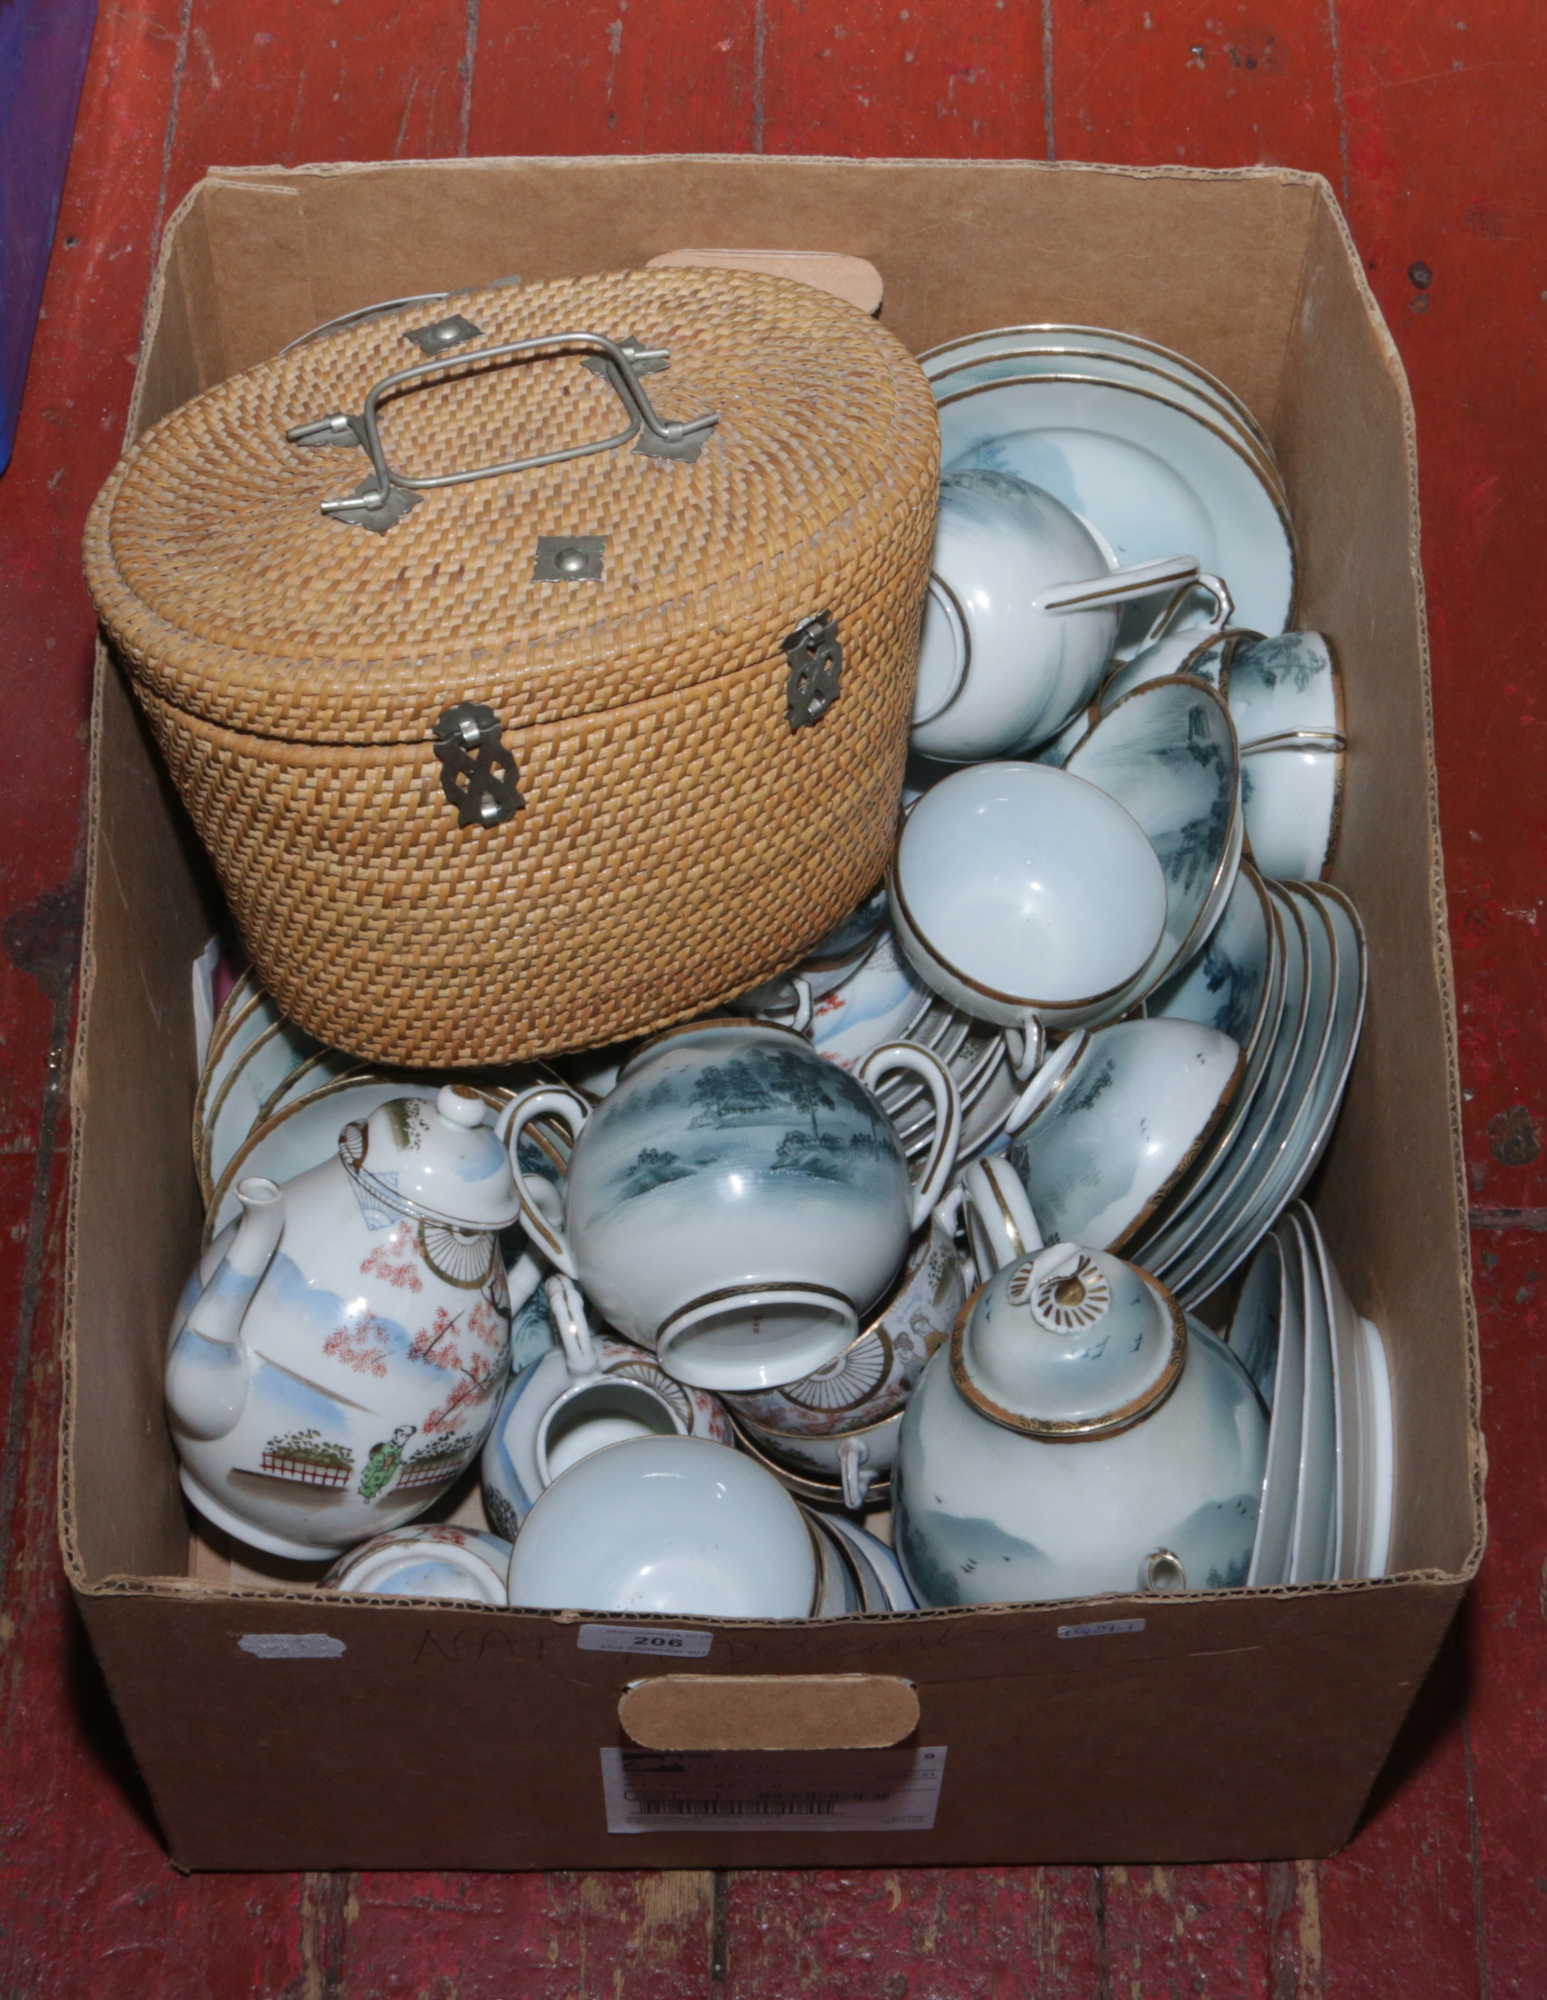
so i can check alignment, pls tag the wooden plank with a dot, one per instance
(950, 1933)
(1187, 1930)
(1447, 174)
(942, 78)
(625, 1936)
(350, 80)
(596, 76)
(1198, 85)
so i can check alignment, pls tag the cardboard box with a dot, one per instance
(277, 1727)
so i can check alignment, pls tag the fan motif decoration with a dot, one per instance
(461, 1257)
(849, 1380)
(663, 1385)
(1065, 1301)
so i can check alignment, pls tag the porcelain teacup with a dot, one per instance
(876, 1374)
(591, 1391)
(737, 1202)
(1024, 895)
(849, 1469)
(1019, 620)
(666, 1525)
(442, 1560)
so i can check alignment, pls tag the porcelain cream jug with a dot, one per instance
(338, 1354)
(737, 1203)
(591, 1391)
(1079, 1434)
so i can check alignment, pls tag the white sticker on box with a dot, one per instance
(1107, 1628)
(657, 1639)
(772, 1791)
(292, 1645)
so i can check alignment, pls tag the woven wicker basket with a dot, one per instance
(561, 753)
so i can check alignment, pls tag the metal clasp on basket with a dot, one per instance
(477, 773)
(388, 489)
(815, 654)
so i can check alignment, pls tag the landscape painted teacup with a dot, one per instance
(591, 1391)
(737, 1203)
(875, 1374)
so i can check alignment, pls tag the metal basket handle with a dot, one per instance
(394, 492)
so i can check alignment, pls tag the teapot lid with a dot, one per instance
(1069, 1344)
(441, 1160)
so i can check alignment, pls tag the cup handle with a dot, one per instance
(1213, 625)
(851, 1466)
(805, 1006)
(571, 1109)
(1138, 580)
(1000, 1224)
(1027, 1045)
(567, 1308)
(941, 1085)
(800, 1009)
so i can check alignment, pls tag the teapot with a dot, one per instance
(1079, 1434)
(736, 1203)
(338, 1353)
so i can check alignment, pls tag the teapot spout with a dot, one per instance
(207, 1368)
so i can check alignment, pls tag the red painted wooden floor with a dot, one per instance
(1426, 118)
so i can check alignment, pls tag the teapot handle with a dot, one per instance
(571, 1110)
(941, 1085)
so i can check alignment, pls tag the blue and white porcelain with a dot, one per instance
(1019, 620)
(1286, 697)
(737, 1203)
(1080, 1435)
(444, 1560)
(1147, 475)
(1167, 754)
(591, 1391)
(336, 1359)
(1026, 896)
(671, 1526)
(876, 1373)
(1101, 1155)
(882, 1583)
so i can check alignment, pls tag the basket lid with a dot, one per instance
(545, 592)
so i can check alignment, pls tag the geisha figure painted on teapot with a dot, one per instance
(338, 1355)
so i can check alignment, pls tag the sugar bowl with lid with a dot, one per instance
(338, 1354)
(737, 1203)
(1080, 1434)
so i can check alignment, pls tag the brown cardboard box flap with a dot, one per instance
(770, 1712)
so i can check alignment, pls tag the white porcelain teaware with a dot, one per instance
(337, 1357)
(1022, 894)
(737, 1202)
(666, 1525)
(1079, 1435)
(443, 1560)
(876, 1373)
(590, 1391)
(849, 1467)
(1019, 619)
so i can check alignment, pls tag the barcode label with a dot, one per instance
(779, 1791)
(1107, 1628)
(657, 1639)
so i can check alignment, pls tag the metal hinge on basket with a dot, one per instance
(477, 773)
(383, 498)
(815, 654)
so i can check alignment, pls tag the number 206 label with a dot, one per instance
(661, 1641)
